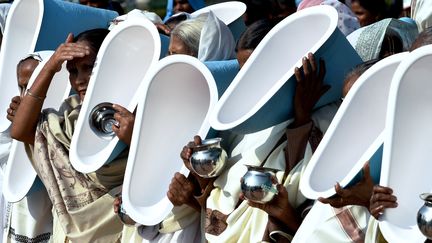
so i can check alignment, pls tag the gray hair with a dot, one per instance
(189, 32)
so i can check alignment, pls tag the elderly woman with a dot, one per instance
(81, 202)
(204, 37)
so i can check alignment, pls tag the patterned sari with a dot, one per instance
(82, 205)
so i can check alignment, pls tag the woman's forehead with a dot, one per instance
(29, 63)
(86, 60)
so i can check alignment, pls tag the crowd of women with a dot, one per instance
(71, 206)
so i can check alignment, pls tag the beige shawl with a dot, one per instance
(82, 207)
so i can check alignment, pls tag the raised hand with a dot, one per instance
(66, 52)
(309, 89)
(359, 194)
(181, 191)
(119, 210)
(163, 29)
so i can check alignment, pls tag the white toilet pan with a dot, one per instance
(123, 60)
(180, 94)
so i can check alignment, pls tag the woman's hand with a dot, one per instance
(187, 151)
(163, 29)
(279, 208)
(13, 107)
(65, 52)
(181, 191)
(117, 203)
(359, 194)
(382, 198)
(309, 89)
(126, 120)
(185, 154)
(118, 210)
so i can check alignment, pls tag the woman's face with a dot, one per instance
(243, 55)
(177, 46)
(80, 70)
(182, 6)
(348, 83)
(364, 16)
(24, 72)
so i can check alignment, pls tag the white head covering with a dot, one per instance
(421, 12)
(216, 41)
(4, 9)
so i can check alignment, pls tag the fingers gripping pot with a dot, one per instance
(259, 184)
(208, 159)
(101, 120)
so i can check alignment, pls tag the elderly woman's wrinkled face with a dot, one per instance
(182, 6)
(80, 70)
(177, 46)
(24, 72)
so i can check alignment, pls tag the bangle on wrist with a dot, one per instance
(35, 96)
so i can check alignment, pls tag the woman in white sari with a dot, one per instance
(286, 146)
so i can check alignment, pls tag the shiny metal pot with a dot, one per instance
(208, 159)
(101, 120)
(259, 184)
(424, 215)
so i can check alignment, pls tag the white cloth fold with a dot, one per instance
(4, 10)
(216, 40)
(422, 14)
